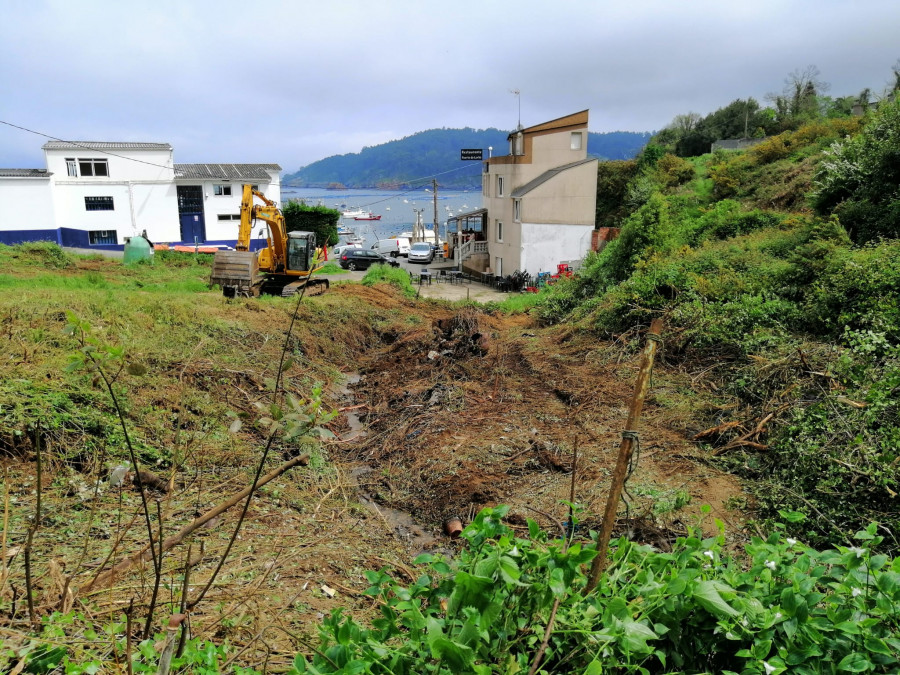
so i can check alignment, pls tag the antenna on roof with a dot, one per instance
(519, 101)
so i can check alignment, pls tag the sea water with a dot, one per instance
(396, 208)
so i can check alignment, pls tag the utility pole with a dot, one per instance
(437, 240)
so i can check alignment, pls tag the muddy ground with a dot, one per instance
(444, 409)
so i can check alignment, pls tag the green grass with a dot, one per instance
(331, 268)
(393, 275)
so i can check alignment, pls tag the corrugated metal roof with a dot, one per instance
(25, 173)
(547, 175)
(468, 214)
(225, 171)
(103, 145)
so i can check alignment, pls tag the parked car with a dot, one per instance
(392, 247)
(362, 259)
(340, 248)
(421, 252)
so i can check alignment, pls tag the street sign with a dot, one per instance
(471, 153)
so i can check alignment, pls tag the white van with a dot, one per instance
(392, 247)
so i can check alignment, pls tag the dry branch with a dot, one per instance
(145, 553)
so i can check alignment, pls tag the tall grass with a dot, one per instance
(392, 275)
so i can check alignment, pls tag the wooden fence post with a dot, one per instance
(626, 449)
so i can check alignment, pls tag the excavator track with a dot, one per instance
(313, 287)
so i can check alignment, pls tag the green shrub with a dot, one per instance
(393, 275)
(859, 179)
(781, 607)
(38, 254)
(673, 170)
(858, 289)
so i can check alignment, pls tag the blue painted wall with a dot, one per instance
(21, 236)
(65, 236)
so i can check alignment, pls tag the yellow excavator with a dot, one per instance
(283, 268)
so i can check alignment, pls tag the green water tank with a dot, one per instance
(137, 249)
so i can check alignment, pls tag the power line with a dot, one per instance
(86, 147)
(172, 168)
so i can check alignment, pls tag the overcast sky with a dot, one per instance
(294, 82)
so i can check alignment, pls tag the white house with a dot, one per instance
(97, 194)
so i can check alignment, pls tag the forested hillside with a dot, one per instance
(435, 152)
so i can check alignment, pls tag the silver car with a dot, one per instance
(421, 252)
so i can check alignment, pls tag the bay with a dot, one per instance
(396, 208)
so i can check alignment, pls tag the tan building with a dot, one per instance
(540, 199)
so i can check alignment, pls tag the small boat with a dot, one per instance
(353, 213)
(345, 231)
(367, 215)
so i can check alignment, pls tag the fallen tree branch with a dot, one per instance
(145, 553)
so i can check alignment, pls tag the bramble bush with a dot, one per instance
(780, 607)
(859, 179)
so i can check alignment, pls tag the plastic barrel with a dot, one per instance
(136, 250)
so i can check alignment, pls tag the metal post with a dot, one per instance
(437, 240)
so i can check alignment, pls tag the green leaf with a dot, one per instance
(792, 516)
(850, 627)
(707, 595)
(854, 663)
(636, 635)
(873, 644)
(594, 668)
(458, 657)
(235, 426)
(557, 581)
(44, 659)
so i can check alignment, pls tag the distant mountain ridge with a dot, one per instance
(415, 159)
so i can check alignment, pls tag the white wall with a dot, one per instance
(156, 210)
(120, 168)
(26, 204)
(213, 205)
(546, 245)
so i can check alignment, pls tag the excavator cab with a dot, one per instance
(301, 248)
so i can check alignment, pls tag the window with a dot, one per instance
(93, 167)
(499, 186)
(102, 237)
(98, 204)
(229, 216)
(498, 266)
(517, 210)
(222, 190)
(71, 166)
(576, 140)
(499, 231)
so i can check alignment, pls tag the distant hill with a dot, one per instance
(436, 153)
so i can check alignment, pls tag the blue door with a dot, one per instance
(190, 213)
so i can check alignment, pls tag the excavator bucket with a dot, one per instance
(237, 272)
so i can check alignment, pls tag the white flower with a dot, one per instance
(769, 669)
(514, 551)
(791, 541)
(778, 615)
(858, 551)
(771, 564)
(709, 554)
(856, 592)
